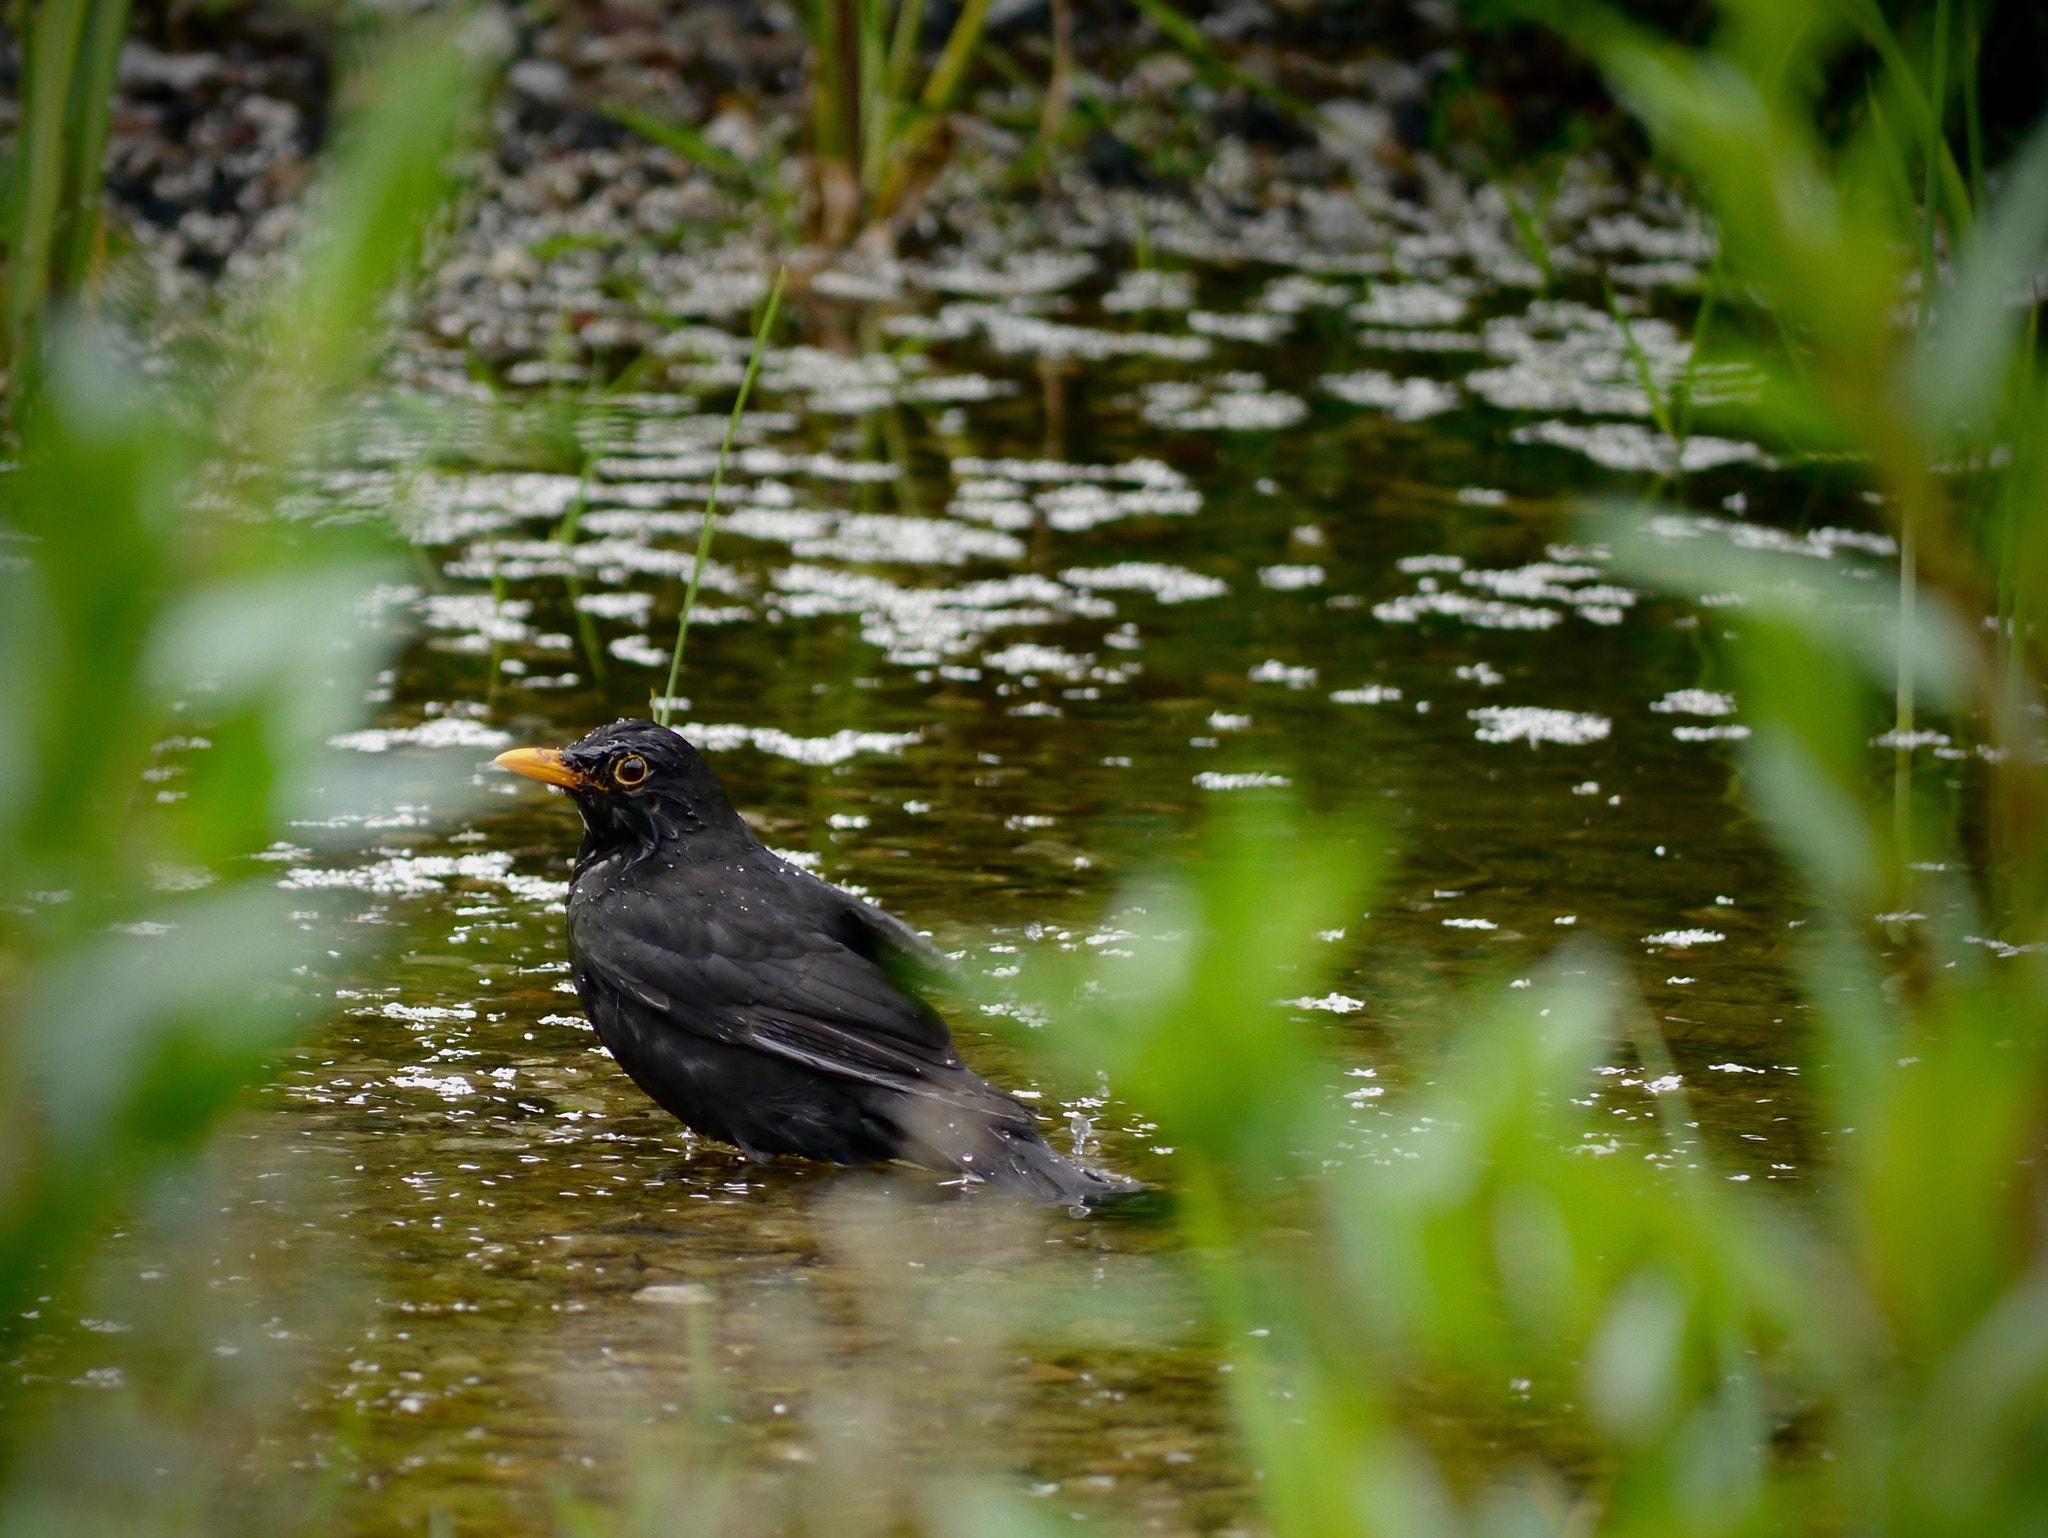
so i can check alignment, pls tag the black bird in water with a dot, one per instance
(757, 1004)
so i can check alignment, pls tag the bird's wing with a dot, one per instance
(769, 965)
(911, 961)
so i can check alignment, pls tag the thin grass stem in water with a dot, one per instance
(1200, 52)
(1052, 120)
(1903, 700)
(1931, 153)
(732, 426)
(1682, 392)
(1973, 117)
(1660, 408)
(1532, 237)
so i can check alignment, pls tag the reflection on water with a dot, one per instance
(1022, 568)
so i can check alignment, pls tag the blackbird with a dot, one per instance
(758, 1004)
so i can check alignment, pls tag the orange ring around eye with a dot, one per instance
(630, 771)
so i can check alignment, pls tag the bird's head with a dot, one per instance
(634, 782)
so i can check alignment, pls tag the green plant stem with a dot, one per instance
(1059, 84)
(680, 139)
(2012, 565)
(954, 58)
(1934, 146)
(52, 53)
(1188, 37)
(877, 97)
(565, 534)
(1682, 392)
(1532, 236)
(1903, 700)
(848, 51)
(896, 441)
(1674, 1106)
(1973, 116)
(829, 128)
(1660, 408)
(756, 180)
(1926, 116)
(732, 425)
(91, 118)
(903, 46)
(67, 100)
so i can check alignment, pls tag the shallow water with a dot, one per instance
(1016, 579)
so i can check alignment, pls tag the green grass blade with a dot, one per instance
(1973, 115)
(1963, 359)
(1683, 391)
(389, 173)
(955, 56)
(1933, 148)
(1660, 408)
(1532, 236)
(1869, 19)
(91, 114)
(903, 45)
(53, 45)
(679, 139)
(828, 118)
(878, 106)
(732, 426)
(1189, 39)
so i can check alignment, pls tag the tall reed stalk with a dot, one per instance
(666, 704)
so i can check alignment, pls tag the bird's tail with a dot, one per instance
(1024, 1162)
(986, 1134)
(973, 1128)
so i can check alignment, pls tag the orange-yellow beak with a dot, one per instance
(543, 764)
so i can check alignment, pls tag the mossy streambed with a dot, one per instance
(1024, 565)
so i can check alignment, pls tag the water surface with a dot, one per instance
(1025, 563)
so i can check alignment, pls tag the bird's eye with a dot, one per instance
(629, 771)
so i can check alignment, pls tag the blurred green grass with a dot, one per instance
(1710, 1357)
(173, 659)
